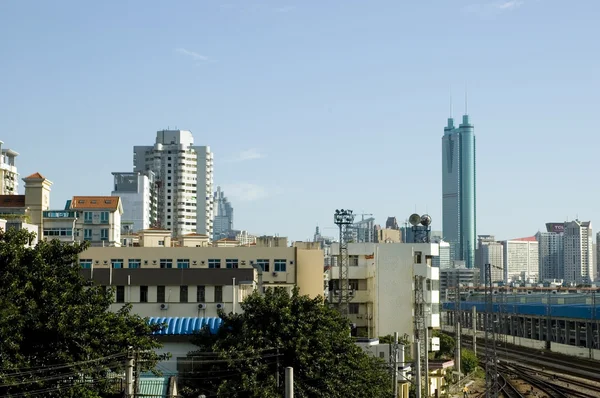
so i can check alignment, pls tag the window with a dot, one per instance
(116, 263)
(87, 217)
(201, 294)
(264, 264)
(353, 261)
(104, 217)
(87, 234)
(104, 234)
(218, 294)
(353, 283)
(87, 263)
(120, 294)
(143, 294)
(279, 265)
(160, 294)
(183, 263)
(353, 308)
(161, 242)
(214, 263)
(418, 256)
(58, 232)
(135, 263)
(231, 263)
(166, 263)
(183, 294)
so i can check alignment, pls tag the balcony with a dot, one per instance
(60, 214)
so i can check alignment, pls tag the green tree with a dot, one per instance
(57, 335)
(241, 359)
(468, 361)
(447, 345)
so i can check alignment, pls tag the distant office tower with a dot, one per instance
(391, 223)
(363, 231)
(489, 251)
(443, 260)
(521, 260)
(578, 242)
(458, 190)
(184, 176)
(9, 178)
(138, 198)
(223, 223)
(551, 252)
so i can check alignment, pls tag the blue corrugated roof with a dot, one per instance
(177, 325)
(575, 311)
(153, 386)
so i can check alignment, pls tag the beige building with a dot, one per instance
(381, 277)
(163, 281)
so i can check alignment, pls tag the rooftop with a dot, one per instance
(95, 202)
(35, 176)
(179, 326)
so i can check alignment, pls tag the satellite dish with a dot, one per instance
(414, 219)
(425, 220)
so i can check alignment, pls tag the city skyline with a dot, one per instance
(285, 98)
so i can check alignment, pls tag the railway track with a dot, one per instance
(509, 390)
(594, 391)
(549, 389)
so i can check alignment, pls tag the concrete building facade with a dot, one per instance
(184, 175)
(459, 190)
(381, 277)
(489, 251)
(138, 198)
(521, 260)
(551, 252)
(198, 281)
(578, 251)
(9, 177)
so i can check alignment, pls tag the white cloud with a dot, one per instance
(194, 55)
(486, 9)
(245, 191)
(248, 154)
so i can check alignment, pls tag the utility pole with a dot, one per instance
(426, 361)
(457, 315)
(491, 360)
(129, 385)
(395, 365)
(420, 335)
(289, 382)
(474, 325)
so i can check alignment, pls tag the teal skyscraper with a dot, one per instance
(458, 190)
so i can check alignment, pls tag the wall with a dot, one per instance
(309, 277)
(178, 347)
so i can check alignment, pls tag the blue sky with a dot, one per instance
(314, 105)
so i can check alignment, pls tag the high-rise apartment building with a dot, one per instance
(458, 190)
(223, 222)
(9, 178)
(521, 259)
(443, 260)
(489, 251)
(578, 247)
(138, 197)
(551, 252)
(184, 181)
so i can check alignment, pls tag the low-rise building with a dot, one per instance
(382, 277)
(159, 280)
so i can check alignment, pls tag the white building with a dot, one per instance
(521, 260)
(443, 260)
(138, 196)
(9, 178)
(184, 175)
(381, 277)
(223, 223)
(489, 251)
(578, 247)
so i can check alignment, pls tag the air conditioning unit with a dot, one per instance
(220, 306)
(201, 306)
(274, 273)
(164, 306)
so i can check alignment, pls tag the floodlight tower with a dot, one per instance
(343, 219)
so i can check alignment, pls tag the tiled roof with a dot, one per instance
(527, 239)
(227, 240)
(196, 235)
(12, 201)
(95, 202)
(35, 176)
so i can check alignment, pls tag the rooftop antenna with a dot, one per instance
(451, 105)
(466, 100)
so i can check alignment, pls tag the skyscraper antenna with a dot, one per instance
(450, 105)
(466, 100)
